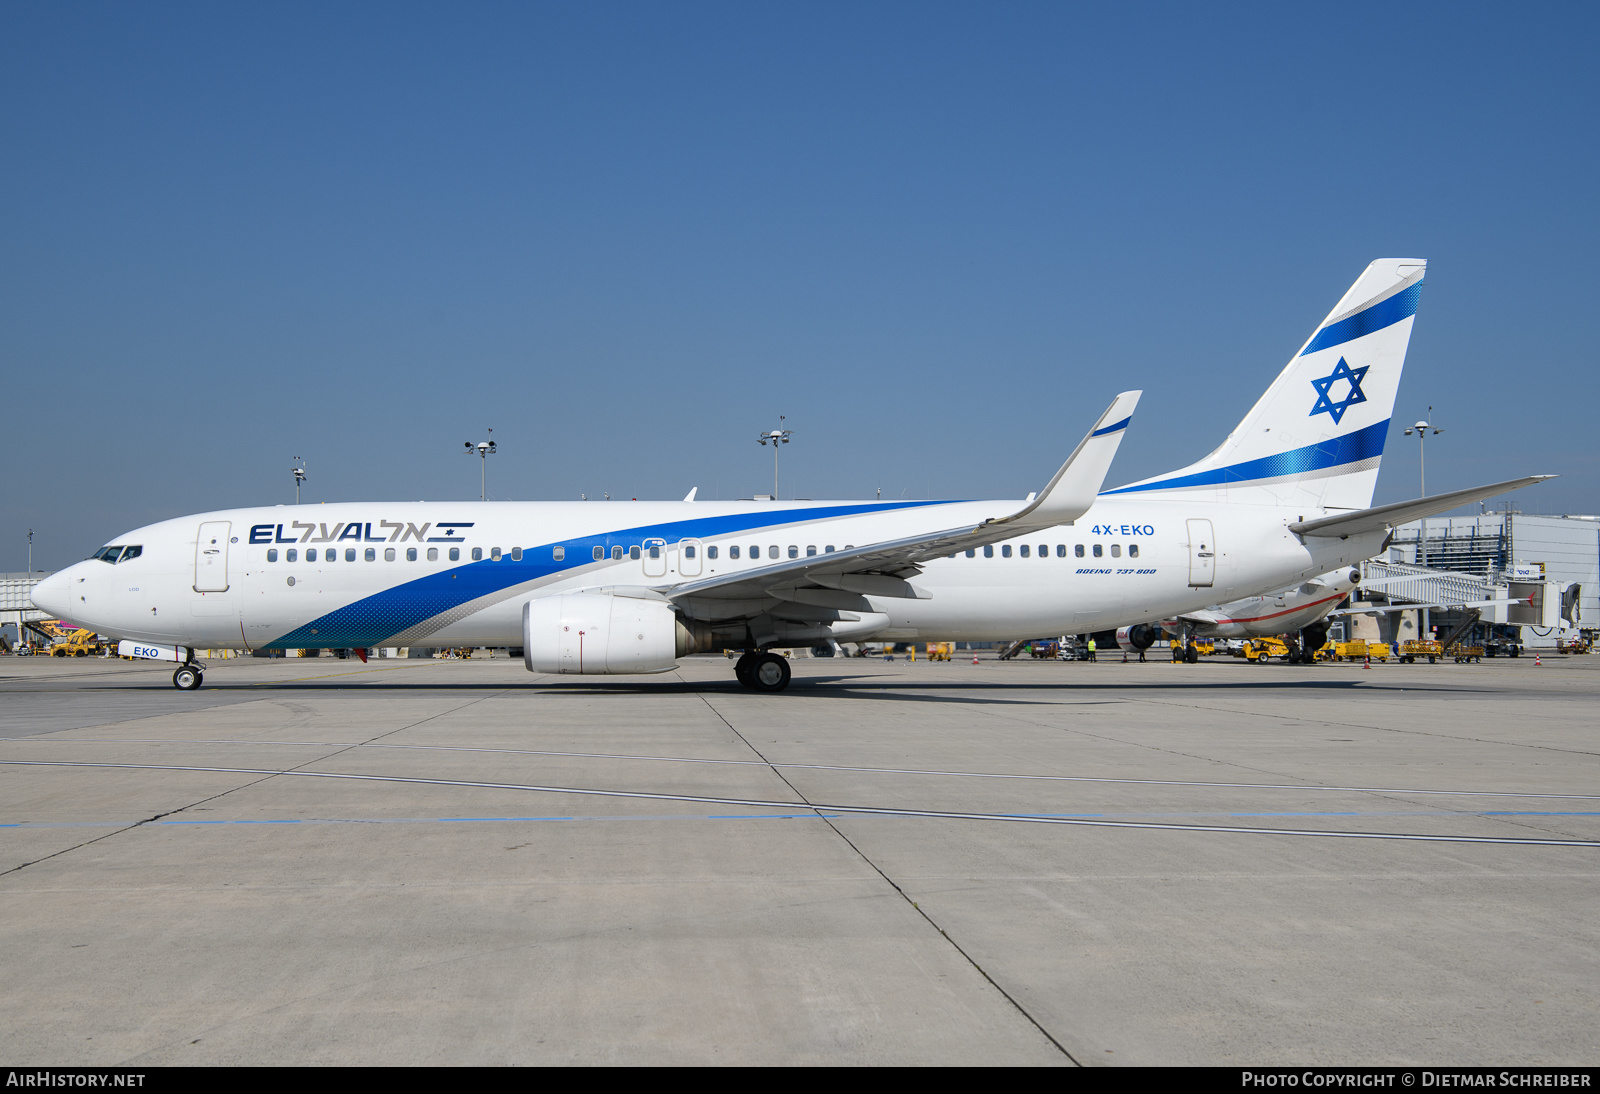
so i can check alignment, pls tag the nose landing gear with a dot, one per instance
(187, 677)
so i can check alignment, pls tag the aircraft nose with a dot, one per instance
(50, 595)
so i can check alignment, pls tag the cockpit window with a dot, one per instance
(131, 552)
(108, 554)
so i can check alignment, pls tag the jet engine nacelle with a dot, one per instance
(601, 633)
(1136, 638)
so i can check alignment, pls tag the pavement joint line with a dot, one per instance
(1007, 996)
(253, 782)
(1399, 796)
(1364, 725)
(866, 810)
(47, 739)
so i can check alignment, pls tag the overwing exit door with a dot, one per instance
(1202, 554)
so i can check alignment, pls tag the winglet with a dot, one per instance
(1070, 494)
(691, 494)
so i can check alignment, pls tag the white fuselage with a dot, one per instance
(392, 580)
(1282, 612)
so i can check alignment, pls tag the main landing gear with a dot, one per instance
(187, 677)
(762, 671)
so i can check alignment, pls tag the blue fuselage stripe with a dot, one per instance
(371, 620)
(1363, 444)
(1385, 313)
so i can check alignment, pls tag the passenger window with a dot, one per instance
(755, 552)
(1133, 550)
(1005, 551)
(559, 554)
(272, 555)
(655, 552)
(388, 554)
(988, 550)
(1061, 550)
(350, 554)
(828, 550)
(1023, 550)
(311, 554)
(1044, 550)
(599, 552)
(494, 554)
(772, 552)
(811, 550)
(291, 554)
(794, 552)
(411, 554)
(455, 554)
(711, 552)
(1078, 550)
(372, 554)
(733, 552)
(477, 554)
(688, 552)
(1116, 550)
(616, 553)
(1097, 550)
(633, 552)
(972, 554)
(433, 554)
(516, 554)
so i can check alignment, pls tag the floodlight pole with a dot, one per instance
(299, 477)
(484, 449)
(1421, 430)
(775, 438)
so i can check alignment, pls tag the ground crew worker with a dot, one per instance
(1091, 649)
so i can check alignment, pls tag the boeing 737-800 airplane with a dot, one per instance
(630, 588)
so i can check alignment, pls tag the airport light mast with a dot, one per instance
(484, 449)
(1421, 430)
(775, 438)
(299, 477)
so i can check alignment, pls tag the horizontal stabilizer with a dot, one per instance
(1344, 525)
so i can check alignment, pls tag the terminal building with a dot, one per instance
(1497, 548)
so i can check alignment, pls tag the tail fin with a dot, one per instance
(1316, 436)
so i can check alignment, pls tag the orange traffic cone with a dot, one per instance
(1535, 660)
(1368, 665)
(974, 659)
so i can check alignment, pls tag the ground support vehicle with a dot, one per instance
(1420, 647)
(941, 651)
(1466, 654)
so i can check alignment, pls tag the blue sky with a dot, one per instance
(628, 236)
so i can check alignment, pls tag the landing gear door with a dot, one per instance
(1202, 554)
(211, 558)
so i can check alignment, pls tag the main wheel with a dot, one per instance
(770, 673)
(1191, 656)
(743, 667)
(186, 678)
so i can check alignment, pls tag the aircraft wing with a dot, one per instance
(1345, 525)
(839, 580)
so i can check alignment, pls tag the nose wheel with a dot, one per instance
(187, 678)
